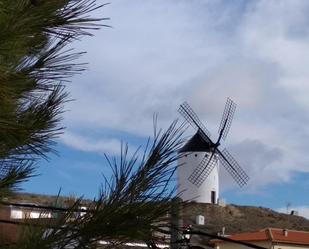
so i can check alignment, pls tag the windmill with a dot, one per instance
(199, 176)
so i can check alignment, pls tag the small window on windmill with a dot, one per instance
(213, 197)
(200, 220)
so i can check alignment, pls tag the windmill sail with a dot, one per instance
(205, 167)
(231, 165)
(207, 164)
(187, 112)
(227, 118)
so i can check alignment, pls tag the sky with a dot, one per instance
(160, 53)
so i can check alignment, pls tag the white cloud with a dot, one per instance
(143, 65)
(160, 53)
(278, 33)
(87, 144)
(90, 143)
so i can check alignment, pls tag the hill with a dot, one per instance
(237, 219)
(234, 218)
(45, 200)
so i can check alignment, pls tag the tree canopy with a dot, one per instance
(35, 63)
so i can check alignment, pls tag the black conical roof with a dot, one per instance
(196, 143)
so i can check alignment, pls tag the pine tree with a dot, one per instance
(34, 64)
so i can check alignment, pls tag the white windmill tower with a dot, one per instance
(198, 172)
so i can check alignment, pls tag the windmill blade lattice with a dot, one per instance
(4, 170)
(208, 163)
(190, 116)
(205, 167)
(9, 164)
(227, 118)
(231, 165)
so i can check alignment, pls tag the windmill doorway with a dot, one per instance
(213, 197)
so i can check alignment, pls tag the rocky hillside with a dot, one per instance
(237, 219)
(47, 200)
(234, 218)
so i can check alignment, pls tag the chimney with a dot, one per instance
(223, 231)
(200, 220)
(285, 232)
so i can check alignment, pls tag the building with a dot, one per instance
(272, 238)
(12, 217)
(192, 153)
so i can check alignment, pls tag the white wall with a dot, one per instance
(29, 214)
(16, 214)
(188, 191)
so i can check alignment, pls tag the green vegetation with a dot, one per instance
(34, 63)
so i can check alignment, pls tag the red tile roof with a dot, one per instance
(273, 235)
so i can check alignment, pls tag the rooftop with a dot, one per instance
(196, 144)
(273, 235)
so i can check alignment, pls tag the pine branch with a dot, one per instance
(35, 126)
(9, 183)
(132, 208)
(34, 59)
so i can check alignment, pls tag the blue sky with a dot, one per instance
(160, 53)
